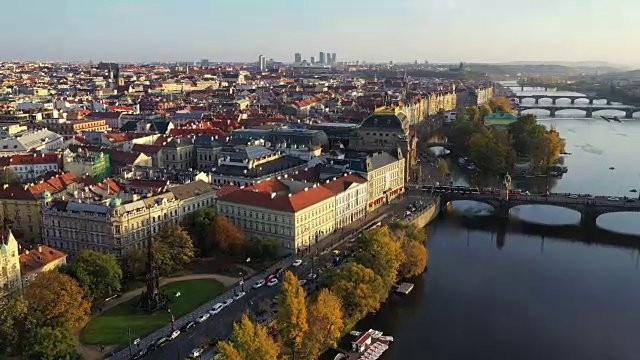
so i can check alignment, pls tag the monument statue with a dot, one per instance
(152, 299)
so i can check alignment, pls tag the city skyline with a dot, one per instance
(440, 32)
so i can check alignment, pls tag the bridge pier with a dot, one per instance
(553, 101)
(573, 101)
(591, 101)
(521, 88)
(552, 112)
(608, 102)
(628, 114)
(589, 113)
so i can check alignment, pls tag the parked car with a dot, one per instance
(312, 276)
(239, 295)
(297, 263)
(613, 198)
(159, 343)
(302, 282)
(189, 325)
(216, 309)
(174, 334)
(272, 282)
(202, 317)
(196, 353)
(140, 354)
(259, 284)
(227, 302)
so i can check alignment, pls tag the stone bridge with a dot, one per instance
(446, 145)
(555, 98)
(588, 109)
(589, 208)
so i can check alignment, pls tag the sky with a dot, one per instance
(445, 31)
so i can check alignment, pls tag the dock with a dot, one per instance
(404, 288)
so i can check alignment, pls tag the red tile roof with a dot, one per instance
(40, 256)
(30, 159)
(342, 183)
(53, 185)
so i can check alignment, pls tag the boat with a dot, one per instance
(355, 333)
(633, 190)
(611, 168)
(462, 160)
(615, 118)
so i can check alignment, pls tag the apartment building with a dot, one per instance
(29, 167)
(122, 222)
(37, 140)
(38, 260)
(179, 153)
(351, 197)
(85, 162)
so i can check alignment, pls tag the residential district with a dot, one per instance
(104, 156)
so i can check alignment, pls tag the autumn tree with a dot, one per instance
(173, 249)
(473, 114)
(198, 224)
(227, 237)
(359, 288)
(381, 253)
(326, 323)
(415, 259)
(292, 317)
(57, 300)
(500, 104)
(53, 344)
(484, 111)
(443, 168)
(16, 325)
(249, 341)
(99, 274)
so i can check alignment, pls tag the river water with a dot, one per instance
(511, 290)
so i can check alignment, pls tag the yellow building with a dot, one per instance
(21, 205)
(10, 280)
(38, 260)
(298, 214)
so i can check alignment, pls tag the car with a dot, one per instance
(216, 308)
(159, 343)
(136, 341)
(174, 334)
(140, 354)
(630, 200)
(573, 196)
(613, 198)
(297, 263)
(239, 295)
(272, 282)
(195, 353)
(227, 302)
(526, 192)
(269, 277)
(592, 197)
(302, 282)
(260, 283)
(189, 325)
(312, 276)
(202, 317)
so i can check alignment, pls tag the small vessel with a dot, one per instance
(611, 168)
(633, 190)
(355, 333)
(615, 118)
(471, 166)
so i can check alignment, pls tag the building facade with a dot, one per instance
(92, 163)
(10, 280)
(38, 260)
(179, 153)
(29, 167)
(351, 197)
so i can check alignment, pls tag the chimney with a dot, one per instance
(40, 248)
(273, 195)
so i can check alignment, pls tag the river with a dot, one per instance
(508, 290)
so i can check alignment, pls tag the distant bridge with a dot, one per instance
(555, 98)
(589, 109)
(447, 145)
(590, 209)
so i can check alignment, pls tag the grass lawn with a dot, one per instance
(112, 326)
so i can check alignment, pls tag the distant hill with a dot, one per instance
(573, 64)
(624, 75)
(542, 69)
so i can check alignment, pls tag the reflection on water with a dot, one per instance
(471, 208)
(545, 215)
(627, 223)
(533, 298)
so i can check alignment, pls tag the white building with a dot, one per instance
(36, 140)
(352, 194)
(29, 167)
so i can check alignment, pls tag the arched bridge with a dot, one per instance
(446, 145)
(555, 98)
(588, 109)
(589, 207)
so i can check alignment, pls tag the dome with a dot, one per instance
(46, 195)
(115, 202)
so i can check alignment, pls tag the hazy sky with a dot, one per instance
(373, 30)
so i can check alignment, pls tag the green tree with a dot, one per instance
(326, 322)
(198, 224)
(133, 264)
(249, 341)
(16, 326)
(99, 274)
(263, 248)
(292, 317)
(359, 288)
(53, 344)
(57, 300)
(173, 249)
(473, 114)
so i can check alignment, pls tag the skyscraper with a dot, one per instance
(262, 62)
(333, 58)
(313, 60)
(298, 58)
(321, 58)
(204, 62)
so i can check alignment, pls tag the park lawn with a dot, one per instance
(112, 326)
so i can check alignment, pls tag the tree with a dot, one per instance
(415, 259)
(484, 111)
(500, 104)
(326, 323)
(381, 253)
(173, 249)
(99, 274)
(443, 168)
(263, 248)
(57, 300)
(359, 288)
(473, 114)
(249, 341)
(133, 264)
(227, 237)
(53, 344)
(198, 224)
(16, 326)
(292, 317)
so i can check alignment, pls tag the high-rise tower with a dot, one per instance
(321, 58)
